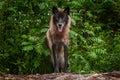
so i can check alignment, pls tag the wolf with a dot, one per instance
(58, 38)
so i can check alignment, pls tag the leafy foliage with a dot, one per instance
(94, 36)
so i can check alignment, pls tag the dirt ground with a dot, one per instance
(115, 75)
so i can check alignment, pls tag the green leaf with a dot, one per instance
(42, 6)
(73, 21)
(73, 33)
(31, 38)
(24, 36)
(89, 14)
(92, 55)
(86, 24)
(76, 18)
(25, 43)
(1, 4)
(36, 64)
(28, 48)
(43, 30)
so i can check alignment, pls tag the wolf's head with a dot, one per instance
(60, 18)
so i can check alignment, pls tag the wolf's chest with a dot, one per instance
(60, 37)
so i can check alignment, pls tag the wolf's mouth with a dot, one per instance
(60, 29)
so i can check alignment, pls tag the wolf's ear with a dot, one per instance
(67, 10)
(54, 10)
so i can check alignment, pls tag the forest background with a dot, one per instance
(94, 36)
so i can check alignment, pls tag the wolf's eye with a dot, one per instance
(57, 19)
(65, 19)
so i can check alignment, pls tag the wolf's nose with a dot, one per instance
(60, 25)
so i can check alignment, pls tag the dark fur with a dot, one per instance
(58, 38)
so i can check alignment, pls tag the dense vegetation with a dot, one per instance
(94, 36)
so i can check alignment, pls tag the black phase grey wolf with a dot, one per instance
(58, 38)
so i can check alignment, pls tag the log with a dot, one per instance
(115, 75)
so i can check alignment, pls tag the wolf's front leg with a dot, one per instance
(65, 58)
(56, 63)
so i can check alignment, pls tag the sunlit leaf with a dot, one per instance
(28, 48)
(25, 43)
